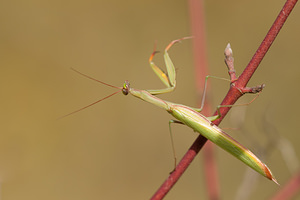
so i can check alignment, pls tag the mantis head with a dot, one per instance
(126, 88)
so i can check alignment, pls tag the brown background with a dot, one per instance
(120, 148)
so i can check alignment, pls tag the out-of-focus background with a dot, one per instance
(120, 148)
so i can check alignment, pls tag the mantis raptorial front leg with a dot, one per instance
(190, 116)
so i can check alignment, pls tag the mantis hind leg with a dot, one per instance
(212, 118)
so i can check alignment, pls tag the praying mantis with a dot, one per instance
(188, 116)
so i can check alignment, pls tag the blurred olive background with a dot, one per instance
(120, 148)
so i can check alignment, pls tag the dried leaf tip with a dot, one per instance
(269, 174)
(275, 181)
(228, 50)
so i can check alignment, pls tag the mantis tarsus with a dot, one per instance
(188, 115)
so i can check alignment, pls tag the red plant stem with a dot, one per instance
(266, 43)
(231, 97)
(233, 94)
(290, 189)
(180, 168)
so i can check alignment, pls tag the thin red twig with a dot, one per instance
(232, 96)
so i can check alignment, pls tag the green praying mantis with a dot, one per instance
(189, 116)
